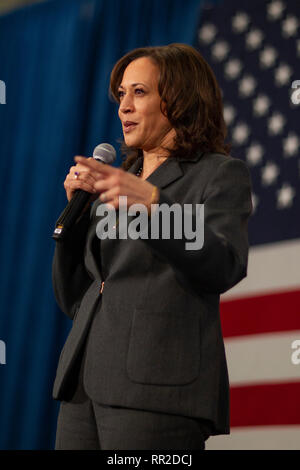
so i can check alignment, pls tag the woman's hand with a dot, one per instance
(113, 182)
(81, 177)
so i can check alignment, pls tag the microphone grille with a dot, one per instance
(105, 153)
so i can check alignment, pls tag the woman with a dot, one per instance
(144, 364)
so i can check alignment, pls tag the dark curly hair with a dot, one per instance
(190, 96)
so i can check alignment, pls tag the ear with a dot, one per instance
(163, 108)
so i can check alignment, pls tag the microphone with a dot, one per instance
(104, 153)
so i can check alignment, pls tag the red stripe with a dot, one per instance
(261, 314)
(272, 404)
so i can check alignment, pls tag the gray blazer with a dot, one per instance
(152, 339)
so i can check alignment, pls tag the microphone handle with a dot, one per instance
(70, 214)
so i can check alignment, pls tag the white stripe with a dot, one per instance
(257, 438)
(272, 267)
(262, 358)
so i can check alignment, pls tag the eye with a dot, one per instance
(120, 94)
(139, 91)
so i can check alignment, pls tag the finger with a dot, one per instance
(82, 176)
(78, 184)
(80, 169)
(104, 184)
(93, 164)
(110, 196)
(113, 203)
(84, 170)
(84, 167)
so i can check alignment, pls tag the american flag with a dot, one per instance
(254, 50)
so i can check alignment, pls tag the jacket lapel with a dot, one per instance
(169, 171)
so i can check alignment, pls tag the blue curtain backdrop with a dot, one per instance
(55, 59)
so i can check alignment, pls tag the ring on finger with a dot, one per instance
(76, 174)
(103, 197)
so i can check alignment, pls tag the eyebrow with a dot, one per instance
(133, 84)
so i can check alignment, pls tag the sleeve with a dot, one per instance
(69, 277)
(222, 260)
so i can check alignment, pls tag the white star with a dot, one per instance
(290, 26)
(229, 114)
(283, 74)
(254, 39)
(233, 68)
(207, 33)
(220, 50)
(247, 86)
(291, 145)
(240, 133)
(267, 57)
(240, 22)
(261, 105)
(275, 10)
(269, 173)
(255, 201)
(285, 196)
(254, 153)
(276, 123)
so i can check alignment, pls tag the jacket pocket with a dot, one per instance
(164, 348)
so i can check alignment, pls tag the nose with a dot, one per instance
(126, 105)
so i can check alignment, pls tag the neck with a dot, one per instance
(155, 157)
(151, 162)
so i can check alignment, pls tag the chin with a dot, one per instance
(131, 142)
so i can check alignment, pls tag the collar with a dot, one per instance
(169, 171)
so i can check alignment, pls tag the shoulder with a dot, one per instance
(215, 173)
(224, 162)
(207, 164)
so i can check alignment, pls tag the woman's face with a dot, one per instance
(144, 125)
